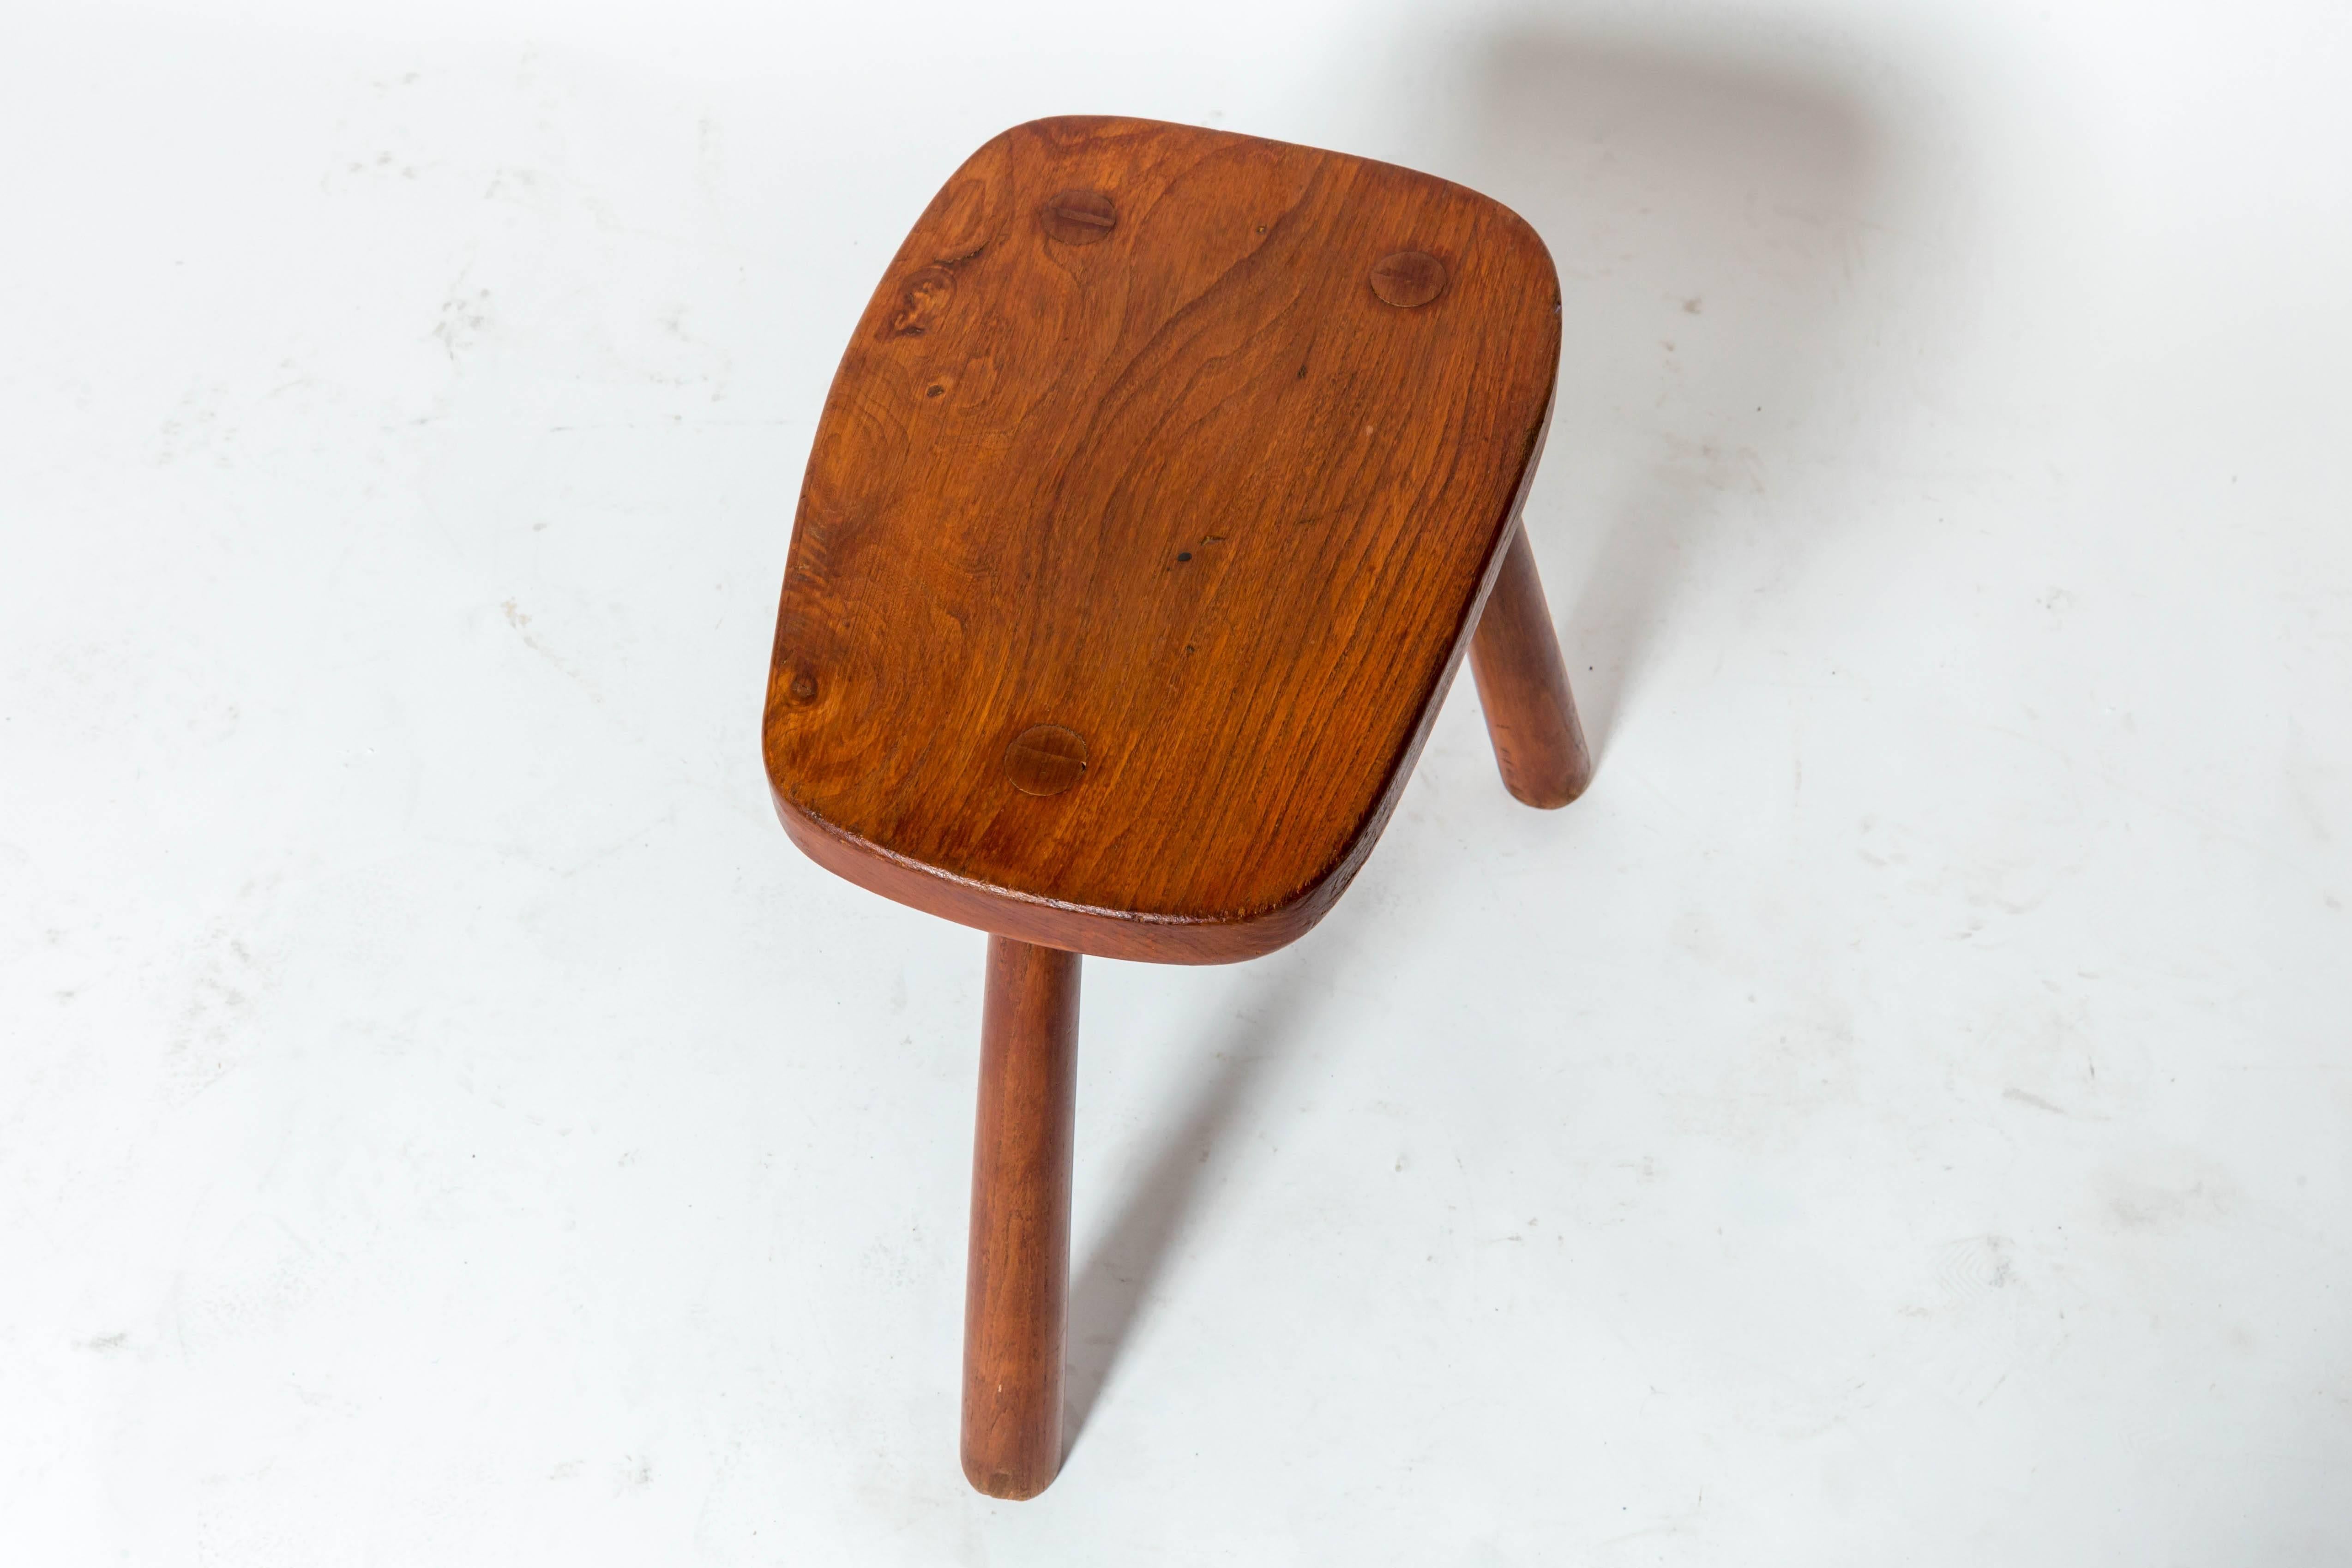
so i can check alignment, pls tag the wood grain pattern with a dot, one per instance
(1151, 435)
(1017, 1279)
(1523, 687)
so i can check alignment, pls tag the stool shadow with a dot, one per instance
(1703, 211)
(1710, 212)
(1132, 1251)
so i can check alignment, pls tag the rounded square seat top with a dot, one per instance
(1149, 515)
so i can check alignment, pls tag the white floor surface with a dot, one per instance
(1901, 1115)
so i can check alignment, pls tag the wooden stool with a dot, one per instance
(1164, 483)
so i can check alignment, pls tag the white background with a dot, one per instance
(1901, 1115)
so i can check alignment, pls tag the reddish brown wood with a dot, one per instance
(1016, 1284)
(1197, 448)
(1523, 687)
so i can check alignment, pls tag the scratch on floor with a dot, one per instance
(519, 619)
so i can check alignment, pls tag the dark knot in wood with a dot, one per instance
(922, 302)
(1408, 278)
(1078, 216)
(1046, 759)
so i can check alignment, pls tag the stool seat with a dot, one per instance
(1150, 513)
(1167, 479)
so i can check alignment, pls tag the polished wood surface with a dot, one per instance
(1523, 687)
(1149, 514)
(1017, 1279)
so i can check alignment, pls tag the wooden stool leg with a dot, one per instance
(1016, 1288)
(1523, 687)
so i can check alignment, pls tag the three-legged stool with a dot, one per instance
(1165, 482)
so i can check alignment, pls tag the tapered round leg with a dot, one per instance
(1017, 1286)
(1523, 687)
